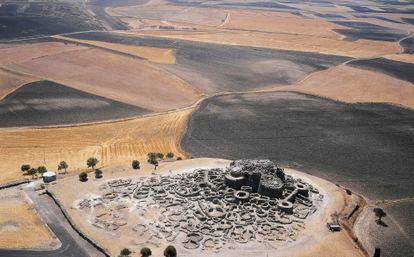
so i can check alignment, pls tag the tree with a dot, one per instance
(125, 252)
(25, 168)
(136, 165)
(32, 172)
(91, 162)
(146, 252)
(170, 251)
(152, 158)
(179, 158)
(98, 173)
(160, 156)
(63, 166)
(83, 176)
(379, 213)
(170, 155)
(41, 169)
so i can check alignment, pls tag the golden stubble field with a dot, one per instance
(126, 79)
(111, 143)
(353, 85)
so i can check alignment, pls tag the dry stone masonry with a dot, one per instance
(209, 209)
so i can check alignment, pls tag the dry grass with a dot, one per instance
(355, 85)
(10, 81)
(125, 79)
(20, 226)
(297, 42)
(111, 143)
(152, 54)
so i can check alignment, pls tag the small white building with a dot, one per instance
(49, 176)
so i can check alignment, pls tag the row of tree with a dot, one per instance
(170, 251)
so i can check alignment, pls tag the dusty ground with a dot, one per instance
(103, 73)
(111, 143)
(20, 225)
(315, 240)
(353, 85)
(10, 81)
(152, 54)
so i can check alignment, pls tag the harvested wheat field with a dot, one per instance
(125, 79)
(27, 52)
(111, 143)
(20, 225)
(152, 54)
(353, 85)
(359, 49)
(280, 22)
(10, 81)
(408, 58)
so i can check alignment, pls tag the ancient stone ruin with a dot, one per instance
(249, 201)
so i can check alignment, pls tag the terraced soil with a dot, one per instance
(47, 103)
(213, 68)
(368, 148)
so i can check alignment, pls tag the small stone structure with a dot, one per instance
(249, 201)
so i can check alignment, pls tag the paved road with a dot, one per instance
(72, 244)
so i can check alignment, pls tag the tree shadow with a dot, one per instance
(381, 223)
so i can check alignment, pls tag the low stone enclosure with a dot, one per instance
(209, 209)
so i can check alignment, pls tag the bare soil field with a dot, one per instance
(20, 225)
(216, 68)
(111, 143)
(358, 49)
(45, 103)
(104, 73)
(367, 148)
(353, 85)
(152, 54)
(27, 19)
(9, 81)
(315, 239)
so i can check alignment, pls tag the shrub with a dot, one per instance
(98, 173)
(91, 162)
(83, 176)
(160, 156)
(145, 252)
(41, 169)
(125, 252)
(170, 155)
(136, 165)
(170, 251)
(25, 168)
(179, 158)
